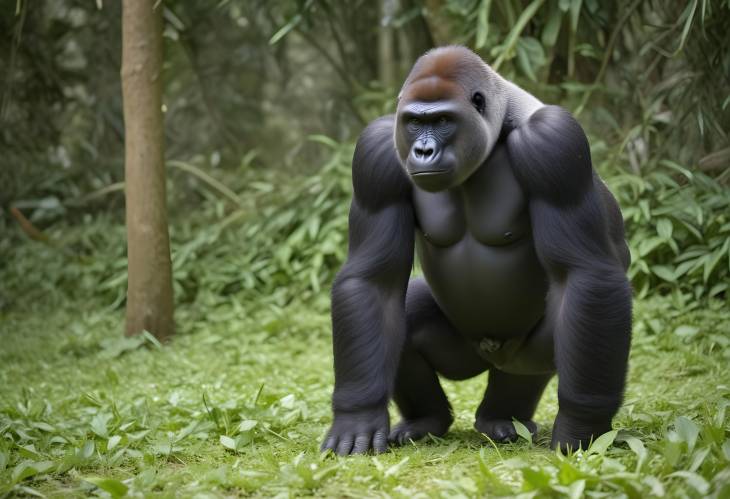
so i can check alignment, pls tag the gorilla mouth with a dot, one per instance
(426, 173)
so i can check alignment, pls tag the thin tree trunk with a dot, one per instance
(437, 23)
(149, 293)
(386, 46)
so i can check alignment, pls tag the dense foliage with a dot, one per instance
(644, 76)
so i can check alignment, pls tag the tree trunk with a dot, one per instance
(149, 292)
(386, 47)
(438, 24)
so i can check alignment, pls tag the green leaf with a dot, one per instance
(576, 489)
(43, 426)
(114, 487)
(664, 228)
(284, 30)
(483, 24)
(693, 480)
(657, 489)
(687, 431)
(552, 28)
(27, 469)
(87, 450)
(247, 425)
(511, 40)
(150, 338)
(323, 139)
(602, 443)
(115, 347)
(664, 272)
(568, 473)
(672, 452)
(113, 442)
(523, 61)
(646, 246)
(99, 424)
(712, 262)
(522, 430)
(689, 13)
(698, 458)
(686, 332)
(228, 442)
(535, 479)
(636, 446)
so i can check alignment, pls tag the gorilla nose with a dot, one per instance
(424, 150)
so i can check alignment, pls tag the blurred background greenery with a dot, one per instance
(264, 100)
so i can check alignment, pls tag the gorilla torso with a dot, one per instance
(475, 247)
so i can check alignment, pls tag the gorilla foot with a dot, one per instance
(502, 430)
(415, 429)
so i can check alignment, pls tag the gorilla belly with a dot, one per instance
(486, 291)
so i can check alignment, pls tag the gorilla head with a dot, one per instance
(446, 126)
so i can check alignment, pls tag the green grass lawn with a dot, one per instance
(237, 405)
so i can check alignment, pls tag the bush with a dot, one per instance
(679, 230)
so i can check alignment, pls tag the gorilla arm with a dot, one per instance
(368, 296)
(590, 296)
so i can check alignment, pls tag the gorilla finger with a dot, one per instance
(362, 443)
(380, 442)
(345, 445)
(329, 444)
(505, 434)
(404, 437)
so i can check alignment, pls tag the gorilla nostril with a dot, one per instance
(423, 152)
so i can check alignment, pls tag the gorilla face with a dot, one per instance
(441, 143)
(445, 129)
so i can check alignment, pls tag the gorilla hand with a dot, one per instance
(358, 432)
(571, 433)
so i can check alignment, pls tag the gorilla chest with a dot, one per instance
(491, 208)
(475, 247)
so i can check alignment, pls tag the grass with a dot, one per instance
(238, 404)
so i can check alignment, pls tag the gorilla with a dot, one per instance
(524, 260)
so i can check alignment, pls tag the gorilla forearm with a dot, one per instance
(368, 329)
(592, 342)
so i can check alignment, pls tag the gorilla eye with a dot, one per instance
(442, 121)
(414, 122)
(479, 102)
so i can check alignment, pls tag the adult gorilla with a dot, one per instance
(523, 251)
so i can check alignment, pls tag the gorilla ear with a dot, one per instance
(478, 101)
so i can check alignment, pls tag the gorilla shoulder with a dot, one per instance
(551, 156)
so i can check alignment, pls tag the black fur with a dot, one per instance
(368, 295)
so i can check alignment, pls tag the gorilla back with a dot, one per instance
(523, 251)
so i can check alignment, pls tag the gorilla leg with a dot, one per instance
(432, 347)
(509, 396)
